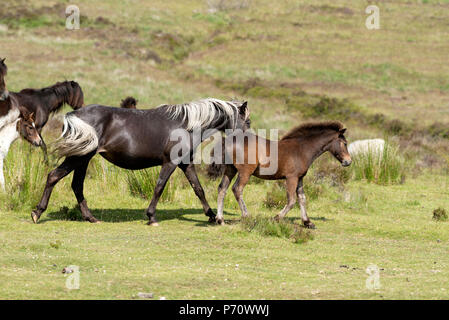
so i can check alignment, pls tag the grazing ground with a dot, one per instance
(293, 61)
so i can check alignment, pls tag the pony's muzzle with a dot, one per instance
(37, 142)
(346, 163)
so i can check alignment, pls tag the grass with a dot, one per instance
(26, 173)
(142, 183)
(293, 61)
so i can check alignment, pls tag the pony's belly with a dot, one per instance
(127, 162)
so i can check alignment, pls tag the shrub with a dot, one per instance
(384, 168)
(439, 214)
(277, 196)
(327, 167)
(271, 228)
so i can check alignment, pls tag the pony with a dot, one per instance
(137, 139)
(129, 103)
(15, 121)
(296, 152)
(46, 101)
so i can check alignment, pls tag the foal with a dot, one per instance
(48, 100)
(296, 151)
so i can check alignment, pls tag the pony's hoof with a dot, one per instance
(212, 216)
(153, 224)
(34, 216)
(220, 222)
(94, 220)
(277, 218)
(212, 220)
(309, 225)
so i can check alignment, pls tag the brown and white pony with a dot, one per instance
(296, 152)
(15, 121)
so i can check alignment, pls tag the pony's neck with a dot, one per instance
(321, 143)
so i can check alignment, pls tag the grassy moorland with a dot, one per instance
(293, 61)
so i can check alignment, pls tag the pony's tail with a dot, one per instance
(77, 139)
(217, 166)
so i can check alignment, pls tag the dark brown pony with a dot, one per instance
(129, 103)
(48, 100)
(295, 153)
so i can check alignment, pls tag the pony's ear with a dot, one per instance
(244, 108)
(3, 60)
(342, 131)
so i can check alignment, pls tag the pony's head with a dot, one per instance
(27, 129)
(242, 121)
(339, 148)
(3, 71)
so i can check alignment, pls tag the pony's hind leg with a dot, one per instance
(291, 185)
(166, 171)
(229, 174)
(237, 188)
(69, 164)
(190, 173)
(78, 186)
(302, 205)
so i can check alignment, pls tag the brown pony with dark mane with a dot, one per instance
(48, 100)
(296, 151)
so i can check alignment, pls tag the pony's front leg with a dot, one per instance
(237, 188)
(292, 182)
(229, 174)
(302, 205)
(190, 173)
(53, 178)
(166, 171)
